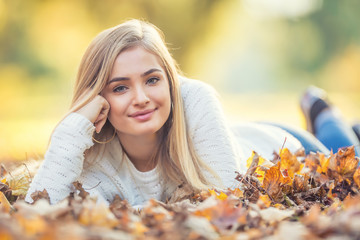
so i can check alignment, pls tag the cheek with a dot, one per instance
(117, 107)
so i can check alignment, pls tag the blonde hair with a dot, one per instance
(177, 158)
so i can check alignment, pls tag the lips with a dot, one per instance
(143, 115)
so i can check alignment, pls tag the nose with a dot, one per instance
(140, 97)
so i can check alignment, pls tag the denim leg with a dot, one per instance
(334, 133)
(308, 141)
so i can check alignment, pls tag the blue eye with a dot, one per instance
(120, 89)
(152, 80)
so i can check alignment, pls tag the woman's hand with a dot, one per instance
(96, 111)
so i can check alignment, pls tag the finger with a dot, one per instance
(99, 124)
(101, 120)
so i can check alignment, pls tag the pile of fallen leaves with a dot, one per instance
(292, 196)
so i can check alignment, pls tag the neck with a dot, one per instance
(140, 150)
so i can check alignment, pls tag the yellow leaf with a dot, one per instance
(212, 192)
(324, 162)
(222, 196)
(250, 159)
(19, 185)
(3, 180)
(290, 163)
(5, 205)
(264, 199)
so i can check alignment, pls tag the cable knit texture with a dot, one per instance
(114, 173)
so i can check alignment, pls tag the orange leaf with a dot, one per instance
(237, 193)
(33, 224)
(356, 177)
(98, 215)
(344, 163)
(273, 182)
(324, 162)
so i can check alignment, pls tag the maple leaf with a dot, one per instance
(343, 164)
(221, 195)
(19, 185)
(290, 162)
(257, 166)
(356, 177)
(300, 183)
(237, 193)
(40, 195)
(274, 181)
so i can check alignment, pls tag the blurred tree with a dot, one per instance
(323, 35)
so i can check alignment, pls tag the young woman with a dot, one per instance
(138, 130)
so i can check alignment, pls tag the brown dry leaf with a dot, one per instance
(343, 164)
(274, 181)
(182, 192)
(82, 193)
(312, 162)
(252, 163)
(300, 183)
(40, 195)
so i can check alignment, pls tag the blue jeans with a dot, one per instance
(332, 133)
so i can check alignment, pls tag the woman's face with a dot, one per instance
(138, 93)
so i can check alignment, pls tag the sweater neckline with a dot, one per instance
(136, 172)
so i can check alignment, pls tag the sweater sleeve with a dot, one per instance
(63, 162)
(209, 132)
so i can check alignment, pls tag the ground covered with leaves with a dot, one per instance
(294, 196)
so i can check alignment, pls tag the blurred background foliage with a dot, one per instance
(259, 54)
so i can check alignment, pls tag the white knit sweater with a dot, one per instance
(115, 174)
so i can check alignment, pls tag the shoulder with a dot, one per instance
(188, 85)
(195, 92)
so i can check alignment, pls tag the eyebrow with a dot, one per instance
(148, 72)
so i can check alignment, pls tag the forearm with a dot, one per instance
(64, 158)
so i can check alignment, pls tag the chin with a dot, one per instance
(148, 131)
